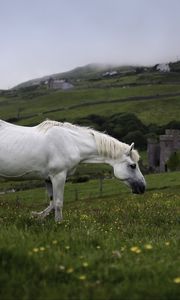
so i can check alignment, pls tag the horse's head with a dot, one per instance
(127, 169)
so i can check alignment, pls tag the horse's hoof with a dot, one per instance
(58, 220)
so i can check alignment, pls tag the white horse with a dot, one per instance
(52, 150)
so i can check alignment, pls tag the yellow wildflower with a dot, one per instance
(148, 246)
(135, 249)
(85, 264)
(54, 242)
(84, 217)
(70, 270)
(67, 247)
(42, 248)
(82, 277)
(167, 243)
(177, 280)
(35, 250)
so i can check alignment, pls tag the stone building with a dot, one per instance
(153, 152)
(160, 151)
(59, 84)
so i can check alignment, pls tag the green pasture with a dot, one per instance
(111, 244)
(104, 98)
(148, 111)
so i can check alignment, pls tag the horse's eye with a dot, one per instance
(133, 166)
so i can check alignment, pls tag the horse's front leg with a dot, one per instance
(58, 182)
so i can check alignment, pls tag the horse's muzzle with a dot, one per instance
(138, 187)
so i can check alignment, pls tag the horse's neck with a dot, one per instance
(88, 150)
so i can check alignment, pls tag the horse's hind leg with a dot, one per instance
(46, 211)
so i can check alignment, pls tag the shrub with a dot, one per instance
(79, 179)
(137, 137)
(173, 163)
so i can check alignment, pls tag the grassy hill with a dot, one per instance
(153, 96)
(85, 72)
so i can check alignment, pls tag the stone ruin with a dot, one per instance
(160, 151)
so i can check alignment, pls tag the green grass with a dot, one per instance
(90, 255)
(149, 111)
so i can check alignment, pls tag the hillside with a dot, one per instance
(85, 72)
(154, 97)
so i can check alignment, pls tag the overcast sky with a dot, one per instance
(42, 37)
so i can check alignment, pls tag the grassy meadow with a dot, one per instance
(111, 244)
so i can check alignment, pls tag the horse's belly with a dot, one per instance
(21, 168)
(25, 176)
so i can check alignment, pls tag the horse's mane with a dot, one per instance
(107, 146)
(112, 148)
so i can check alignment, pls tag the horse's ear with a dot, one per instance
(131, 148)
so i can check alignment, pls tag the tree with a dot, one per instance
(137, 137)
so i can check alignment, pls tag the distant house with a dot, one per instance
(110, 73)
(163, 68)
(59, 84)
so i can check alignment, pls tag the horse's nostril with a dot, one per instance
(143, 189)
